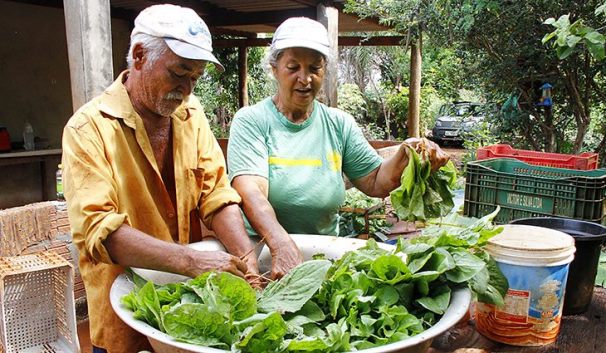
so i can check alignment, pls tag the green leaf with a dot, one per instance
(490, 285)
(563, 52)
(293, 290)
(223, 288)
(438, 302)
(198, 324)
(572, 40)
(467, 266)
(390, 269)
(423, 194)
(597, 50)
(261, 333)
(595, 37)
(549, 21)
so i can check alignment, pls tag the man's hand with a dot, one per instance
(437, 157)
(284, 257)
(204, 261)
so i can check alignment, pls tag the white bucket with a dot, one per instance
(535, 261)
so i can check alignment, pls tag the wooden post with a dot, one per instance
(89, 48)
(242, 76)
(329, 17)
(414, 93)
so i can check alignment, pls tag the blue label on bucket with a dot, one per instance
(545, 286)
(533, 306)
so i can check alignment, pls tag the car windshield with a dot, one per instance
(461, 110)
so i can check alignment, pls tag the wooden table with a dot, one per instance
(585, 333)
(48, 159)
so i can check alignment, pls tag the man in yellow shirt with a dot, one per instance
(141, 168)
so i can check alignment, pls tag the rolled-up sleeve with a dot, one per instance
(89, 190)
(216, 190)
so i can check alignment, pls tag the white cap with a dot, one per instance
(182, 29)
(301, 32)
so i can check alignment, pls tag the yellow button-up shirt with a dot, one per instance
(111, 178)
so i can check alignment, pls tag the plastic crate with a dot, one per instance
(37, 312)
(523, 190)
(583, 161)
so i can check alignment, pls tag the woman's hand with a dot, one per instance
(284, 256)
(437, 157)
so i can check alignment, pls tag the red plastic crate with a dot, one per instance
(583, 161)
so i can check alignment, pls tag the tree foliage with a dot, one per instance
(218, 91)
(498, 44)
(502, 40)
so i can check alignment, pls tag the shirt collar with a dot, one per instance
(115, 102)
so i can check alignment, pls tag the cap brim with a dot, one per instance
(188, 51)
(298, 43)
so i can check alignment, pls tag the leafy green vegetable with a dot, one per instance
(261, 333)
(198, 324)
(293, 290)
(226, 289)
(368, 298)
(422, 194)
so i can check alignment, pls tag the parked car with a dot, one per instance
(456, 119)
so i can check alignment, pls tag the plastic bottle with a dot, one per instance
(59, 177)
(28, 137)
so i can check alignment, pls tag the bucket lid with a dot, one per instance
(531, 245)
(580, 230)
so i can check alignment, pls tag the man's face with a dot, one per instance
(166, 82)
(299, 72)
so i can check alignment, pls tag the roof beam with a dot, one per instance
(270, 18)
(348, 41)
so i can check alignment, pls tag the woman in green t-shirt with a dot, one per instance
(288, 153)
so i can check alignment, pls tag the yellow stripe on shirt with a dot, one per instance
(292, 162)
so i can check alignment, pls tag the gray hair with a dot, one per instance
(273, 55)
(155, 46)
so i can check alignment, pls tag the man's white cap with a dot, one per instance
(301, 32)
(182, 29)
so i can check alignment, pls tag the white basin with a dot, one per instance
(332, 247)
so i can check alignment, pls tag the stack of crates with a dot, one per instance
(524, 190)
(37, 312)
(583, 161)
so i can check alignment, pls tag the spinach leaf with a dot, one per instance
(422, 194)
(293, 290)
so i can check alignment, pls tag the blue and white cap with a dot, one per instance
(182, 29)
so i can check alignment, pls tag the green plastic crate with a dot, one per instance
(523, 190)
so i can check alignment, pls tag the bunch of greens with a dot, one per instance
(351, 215)
(422, 194)
(367, 298)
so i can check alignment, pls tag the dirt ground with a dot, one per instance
(456, 154)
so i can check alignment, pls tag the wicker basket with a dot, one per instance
(37, 312)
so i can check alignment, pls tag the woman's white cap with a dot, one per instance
(181, 28)
(301, 32)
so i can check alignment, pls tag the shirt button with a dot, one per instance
(171, 215)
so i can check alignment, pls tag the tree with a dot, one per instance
(501, 40)
(405, 17)
(218, 91)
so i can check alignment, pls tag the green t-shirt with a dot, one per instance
(302, 162)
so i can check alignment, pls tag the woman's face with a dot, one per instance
(299, 72)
